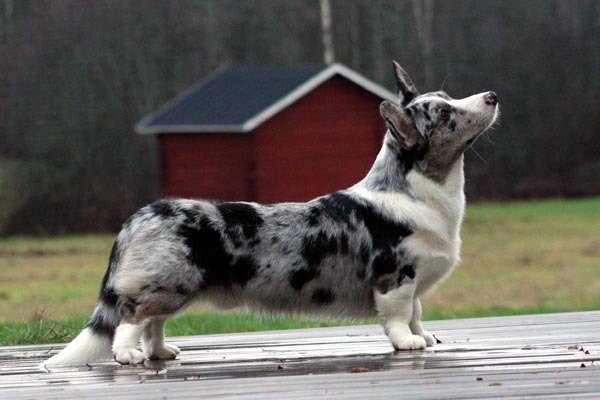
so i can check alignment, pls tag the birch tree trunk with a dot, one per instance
(423, 12)
(328, 51)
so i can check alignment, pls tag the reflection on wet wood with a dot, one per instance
(539, 355)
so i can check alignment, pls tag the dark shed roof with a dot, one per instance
(240, 97)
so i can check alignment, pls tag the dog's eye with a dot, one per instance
(445, 114)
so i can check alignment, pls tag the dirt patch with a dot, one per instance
(591, 250)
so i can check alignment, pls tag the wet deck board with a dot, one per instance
(548, 356)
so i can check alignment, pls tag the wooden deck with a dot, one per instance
(544, 356)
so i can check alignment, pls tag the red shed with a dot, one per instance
(268, 133)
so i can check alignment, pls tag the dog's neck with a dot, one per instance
(389, 171)
(393, 165)
(448, 199)
(395, 173)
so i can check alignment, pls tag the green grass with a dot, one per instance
(522, 257)
(47, 331)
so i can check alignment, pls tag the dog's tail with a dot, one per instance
(95, 340)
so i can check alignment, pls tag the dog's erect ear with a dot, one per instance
(404, 85)
(400, 124)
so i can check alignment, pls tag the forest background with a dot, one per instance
(76, 76)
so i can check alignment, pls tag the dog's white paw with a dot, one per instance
(129, 357)
(167, 352)
(173, 348)
(407, 342)
(429, 338)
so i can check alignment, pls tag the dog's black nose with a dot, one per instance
(491, 98)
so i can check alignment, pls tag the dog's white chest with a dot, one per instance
(436, 241)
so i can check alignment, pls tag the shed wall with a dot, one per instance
(324, 142)
(207, 166)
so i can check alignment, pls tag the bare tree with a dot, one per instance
(423, 14)
(328, 50)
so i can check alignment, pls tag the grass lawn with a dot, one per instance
(527, 257)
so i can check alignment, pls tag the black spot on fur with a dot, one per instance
(384, 231)
(191, 215)
(206, 252)
(362, 271)
(364, 253)
(240, 216)
(105, 320)
(323, 296)
(339, 207)
(180, 290)
(104, 324)
(163, 208)
(408, 157)
(114, 254)
(113, 260)
(302, 276)
(243, 270)
(384, 263)
(109, 297)
(344, 245)
(407, 271)
(316, 248)
(392, 277)
(386, 272)
(312, 219)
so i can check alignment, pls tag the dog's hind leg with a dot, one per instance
(125, 342)
(145, 318)
(153, 341)
(395, 309)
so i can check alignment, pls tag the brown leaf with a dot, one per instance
(356, 370)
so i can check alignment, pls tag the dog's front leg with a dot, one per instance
(417, 327)
(395, 310)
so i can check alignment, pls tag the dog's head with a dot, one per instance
(433, 129)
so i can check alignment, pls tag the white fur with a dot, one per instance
(125, 342)
(395, 309)
(153, 342)
(416, 326)
(85, 348)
